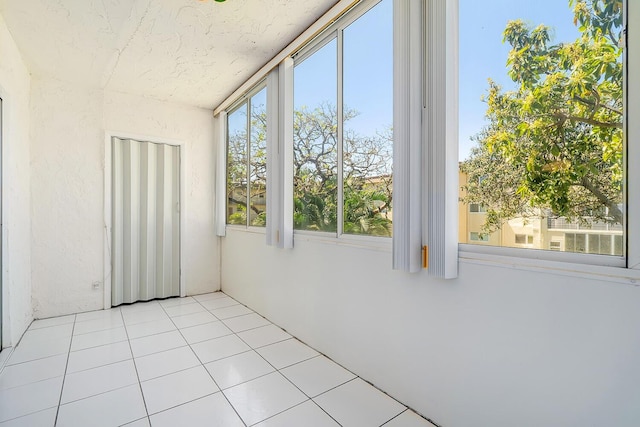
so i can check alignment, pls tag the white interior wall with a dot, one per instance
(495, 347)
(66, 197)
(68, 125)
(193, 126)
(16, 240)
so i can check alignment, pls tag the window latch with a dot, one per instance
(425, 257)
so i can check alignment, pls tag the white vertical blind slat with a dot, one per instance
(280, 156)
(274, 186)
(285, 141)
(441, 138)
(407, 135)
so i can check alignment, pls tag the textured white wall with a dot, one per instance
(66, 197)
(495, 347)
(16, 234)
(194, 126)
(68, 125)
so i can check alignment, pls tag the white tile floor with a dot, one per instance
(196, 361)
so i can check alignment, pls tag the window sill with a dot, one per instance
(382, 244)
(574, 265)
(254, 230)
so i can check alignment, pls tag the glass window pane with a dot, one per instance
(580, 243)
(605, 245)
(237, 166)
(258, 163)
(570, 242)
(617, 245)
(315, 141)
(541, 121)
(368, 121)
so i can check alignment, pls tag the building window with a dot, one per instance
(595, 243)
(246, 161)
(546, 143)
(478, 237)
(477, 208)
(524, 239)
(555, 245)
(343, 113)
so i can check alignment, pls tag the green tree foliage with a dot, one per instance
(555, 143)
(366, 171)
(237, 169)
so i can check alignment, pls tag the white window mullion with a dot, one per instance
(220, 124)
(340, 123)
(632, 122)
(274, 186)
(248, 176)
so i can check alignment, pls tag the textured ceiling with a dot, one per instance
(184, 51)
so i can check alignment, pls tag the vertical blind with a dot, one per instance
(146, 221)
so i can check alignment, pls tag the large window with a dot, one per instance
(343, 115)
(541, 123)
(315, 141)
(246, 162)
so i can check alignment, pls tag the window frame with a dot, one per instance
(631, 196)
(245, 99)
(334, 31)
(624, 270)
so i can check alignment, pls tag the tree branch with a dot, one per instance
(593, 104)
(614, 211)
(241, 203)
(587, 121)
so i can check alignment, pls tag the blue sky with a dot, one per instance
(368, 61)
(484, 56)
(368, 71)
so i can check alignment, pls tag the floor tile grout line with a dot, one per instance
(29, 329)
(284, 376)
(66, 366)
(210, 376)
(31, 360)
(100, 394)
(393, 418)
(295, 406)
(173, 372)
(29, 414)
(135, 366)
(181, 404)
(33, 382)
(267, 345)
(99, 366)
(208, 339)
(99, 330)
(96, 346)
(206, 310)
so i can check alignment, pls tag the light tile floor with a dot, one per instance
(195, 361)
